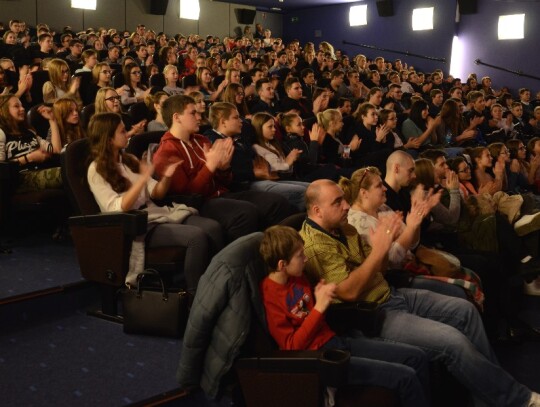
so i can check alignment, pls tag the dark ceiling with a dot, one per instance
(287, 5)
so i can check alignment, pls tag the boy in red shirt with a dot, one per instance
(296, 322)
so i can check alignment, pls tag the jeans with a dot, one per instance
(294, 191)
(450, 330)
(394, 366)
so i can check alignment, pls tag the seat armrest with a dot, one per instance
(331, 365)
(133, 222)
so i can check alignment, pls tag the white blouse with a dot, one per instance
(110, 200)
(363, 223)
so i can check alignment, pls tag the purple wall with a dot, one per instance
(477, 32)
(385, 32)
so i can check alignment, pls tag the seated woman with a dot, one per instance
(154, 103)
(234, 93)
(376, 144)
(206, 86)
(133, 90)
(121, 183)
(66, 113)
(307, 167)
(420, 126)
(487, 175)
(200, 105)
(108, 100)
(333, 151)
(451, 130)
(20, 143)
(60, 85)
(171, 88)
(516, 182)
(389, 119)
(366, 194)
(267, 147)
(101, 78)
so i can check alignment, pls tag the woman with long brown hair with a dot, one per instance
(66, 113)
(19, 143)
(121, 183)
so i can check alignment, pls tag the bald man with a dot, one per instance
(399, 175)
(448, 329)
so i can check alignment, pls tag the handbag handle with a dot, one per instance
(154, 273)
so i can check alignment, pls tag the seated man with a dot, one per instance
(446, 328)
(296, 322)
(206, 170)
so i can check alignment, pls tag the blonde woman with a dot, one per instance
(108, 100)
(171, 88)
(60, 85)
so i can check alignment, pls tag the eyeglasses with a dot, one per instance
(136, 73)
(65, 70)
(366, 170)
(112, 98)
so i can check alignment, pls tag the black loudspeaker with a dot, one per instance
(467, 6)
(385, 8)
(158, 7)
(244, 15)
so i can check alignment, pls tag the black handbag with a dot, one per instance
(154, 311)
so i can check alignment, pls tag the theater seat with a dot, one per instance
(103, 240)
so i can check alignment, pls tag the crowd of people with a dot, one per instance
(262, 129)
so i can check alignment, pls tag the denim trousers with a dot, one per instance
(450, 330)
(399, 367)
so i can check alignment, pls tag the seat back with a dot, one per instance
(157, 80)
(294, 221)
(37, 121)
(118, 80)
(139, 111)
(139, 143)
(86, 114)
(74, 169)
(38, 80)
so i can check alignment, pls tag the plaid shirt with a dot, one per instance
(333, 257)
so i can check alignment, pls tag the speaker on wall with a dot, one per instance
(385, 8)
(467, 6)
(245, 15)
(158, 7)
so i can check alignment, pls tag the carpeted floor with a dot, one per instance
(53, 354)
(79, 360)
(37, 262)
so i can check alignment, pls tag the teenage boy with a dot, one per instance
(206, 170)
(296, 322)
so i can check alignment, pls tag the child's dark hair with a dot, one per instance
(279, 243)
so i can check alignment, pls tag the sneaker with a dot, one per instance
(527, 224)
(532, 288)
